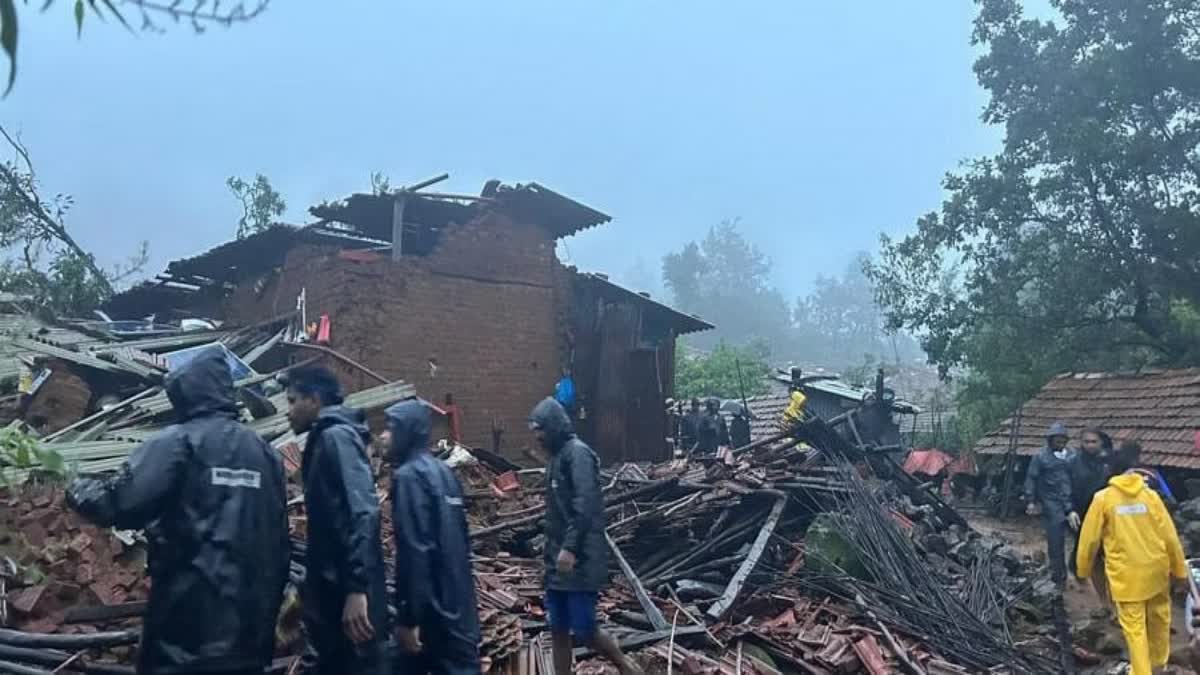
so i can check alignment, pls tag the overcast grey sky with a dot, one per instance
(819, 124)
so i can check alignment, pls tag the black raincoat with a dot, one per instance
(344, 553)
(739, 431)
(1048, 483)
(435, 587)
(212, 498)
(713, 432)
(574, 506)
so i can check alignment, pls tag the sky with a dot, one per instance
(818, 124)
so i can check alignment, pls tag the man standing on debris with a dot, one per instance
(1142, 554)
(212, 497)
(1089, 475)
(712, 433)
(575, 551)
(435, 590)
(1048, 486)
(690, 426)
(345, 592)
(739, 428)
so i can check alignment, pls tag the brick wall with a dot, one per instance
(483, 307)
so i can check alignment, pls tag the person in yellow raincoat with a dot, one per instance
(1142, 554)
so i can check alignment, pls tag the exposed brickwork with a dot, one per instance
(483, 307)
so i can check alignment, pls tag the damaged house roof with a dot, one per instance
(361, 221)
(684, 323)
(1159, 408)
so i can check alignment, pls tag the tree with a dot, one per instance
(1078, 245)
(261, 204)
(842, 325)
(717, 372)
(42, 260)
(199, 13)
(726, 280)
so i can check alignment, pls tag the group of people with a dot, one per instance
(1121, 525)
(211, 496)
(705, 431)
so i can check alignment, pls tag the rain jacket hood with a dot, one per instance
(549, 416)
(202, 386)
(411, 424)
(1141, 547)
(211, 495)
(1056, 429)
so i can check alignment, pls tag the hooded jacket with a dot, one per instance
(712, 432)
(1141, 548)
(1089, 475)
(574, 507)
(212, 496)
(344, 553)
(1048, 479)
(435, 587)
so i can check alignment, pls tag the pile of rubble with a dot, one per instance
(804, 551)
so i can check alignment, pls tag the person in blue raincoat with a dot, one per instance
(1048, 487)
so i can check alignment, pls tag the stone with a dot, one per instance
(827, 551)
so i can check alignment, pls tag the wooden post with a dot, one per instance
(398, 225)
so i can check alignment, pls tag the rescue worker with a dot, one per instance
(1142, 554)
(739, 428)
(436, 612)
(712, 433)
(1048, 486)
(212, 497)
(1089, 474)
(690, 426)
(344, 594)
(575, 552)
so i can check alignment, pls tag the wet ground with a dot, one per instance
(1083, 605)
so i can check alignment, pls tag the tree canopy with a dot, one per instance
(1077, 246)
(727, 280)
(725, 372)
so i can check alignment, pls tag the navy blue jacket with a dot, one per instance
(435, 586)
(211, 495)
(574, 506)
(344, 553)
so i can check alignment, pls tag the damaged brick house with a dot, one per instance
(458, 295)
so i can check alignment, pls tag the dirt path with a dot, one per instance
(1025, 534)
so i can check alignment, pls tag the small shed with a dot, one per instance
(1159, 408)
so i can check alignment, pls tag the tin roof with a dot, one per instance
(1159, 408)
(685, 323)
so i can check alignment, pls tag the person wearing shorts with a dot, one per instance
(576, 553)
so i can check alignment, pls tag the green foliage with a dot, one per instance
(727, 280)
(200, 13)
(1077, 247)
(22, 452)
(41, 259)
(716, 373)
(261, 204)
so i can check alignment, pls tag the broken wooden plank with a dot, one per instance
(652, 612)
(722, 605)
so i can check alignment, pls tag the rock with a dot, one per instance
(826, 550)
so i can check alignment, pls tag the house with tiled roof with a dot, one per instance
(1159, 408)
